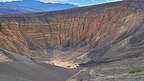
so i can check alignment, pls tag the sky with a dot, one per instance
(75, 2)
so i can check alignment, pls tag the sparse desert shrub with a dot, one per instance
(0, 26)
(137, 70)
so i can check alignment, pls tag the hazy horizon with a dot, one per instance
(74, 2)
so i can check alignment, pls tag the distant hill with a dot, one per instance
(31, 6)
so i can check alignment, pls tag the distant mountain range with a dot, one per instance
(31, 6)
